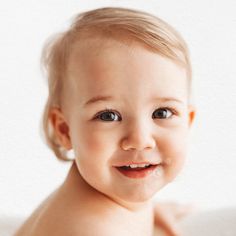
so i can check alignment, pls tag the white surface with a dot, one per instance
(9, 225)
(220, 222)
(29, 171)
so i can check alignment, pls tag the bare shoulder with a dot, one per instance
(59, 216)
(29, 227)
(55, 216)
(54, 220)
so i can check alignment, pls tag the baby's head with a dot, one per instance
(119, 89)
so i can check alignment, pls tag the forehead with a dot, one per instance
(123, 68)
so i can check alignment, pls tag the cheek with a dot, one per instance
(173, 151)
(94, 149)
(92, 142)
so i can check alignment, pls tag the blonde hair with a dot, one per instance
(142, 27)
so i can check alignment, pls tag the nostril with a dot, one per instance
(138, 145)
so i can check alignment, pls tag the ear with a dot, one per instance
(61, 127)
(191, 115)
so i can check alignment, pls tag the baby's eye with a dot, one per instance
(108, 116)
(162, 113)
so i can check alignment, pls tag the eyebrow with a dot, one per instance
(168, 99)
(100, 98)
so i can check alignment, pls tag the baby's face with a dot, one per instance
(127, 105)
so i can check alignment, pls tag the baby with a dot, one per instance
(119, 97)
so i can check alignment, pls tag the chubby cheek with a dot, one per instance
(92, 147)
(173, 150)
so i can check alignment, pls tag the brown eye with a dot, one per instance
(162, 113)
(108, 116)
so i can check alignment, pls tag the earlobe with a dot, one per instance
(61, 128)
(191, 114)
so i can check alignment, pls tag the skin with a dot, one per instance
(138, 83)
(167, 217)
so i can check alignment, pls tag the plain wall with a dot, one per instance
(29, 171)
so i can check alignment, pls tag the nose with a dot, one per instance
(138, 137)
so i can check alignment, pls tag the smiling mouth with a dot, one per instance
(135, 172)
(133, 168)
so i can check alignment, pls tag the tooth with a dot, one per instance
(142, 165)
(133, 165)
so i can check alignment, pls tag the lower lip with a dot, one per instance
(137, 174)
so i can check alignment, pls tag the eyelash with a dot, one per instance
(97, 116)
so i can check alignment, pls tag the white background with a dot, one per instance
(29, 171)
